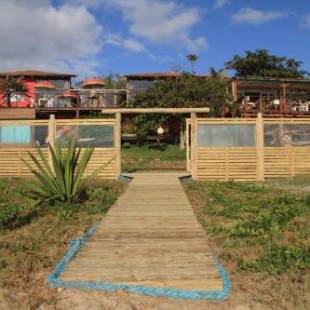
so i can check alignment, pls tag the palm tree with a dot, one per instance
(10, 85)
(192, 58)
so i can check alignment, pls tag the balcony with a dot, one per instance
(293, 106)
(62, 102)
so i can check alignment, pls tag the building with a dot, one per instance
(42, 88)
(52, 93)
(274, 97)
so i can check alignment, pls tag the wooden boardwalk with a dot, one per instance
(150, 237)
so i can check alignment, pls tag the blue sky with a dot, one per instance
(94, 37)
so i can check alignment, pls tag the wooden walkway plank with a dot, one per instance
(150, 237)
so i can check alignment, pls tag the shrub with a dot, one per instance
(63, 180)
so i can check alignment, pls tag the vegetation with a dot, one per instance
(187, 90)
(267, 227)
(152, 157)
(10, 85)
(261, 63)
(192, 58)
(63, 180)
(261, 234)
(34, 237)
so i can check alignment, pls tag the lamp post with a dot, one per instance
(160, 132)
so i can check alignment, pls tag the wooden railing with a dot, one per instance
(296, 105)
(70, 99)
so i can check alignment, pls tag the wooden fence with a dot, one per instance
(18, 138)
(248, 149)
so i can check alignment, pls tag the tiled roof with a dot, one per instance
(155, 75)
(36, 73)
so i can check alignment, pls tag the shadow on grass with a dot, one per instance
(18, 220)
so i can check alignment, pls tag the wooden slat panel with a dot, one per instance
(11, 161)
(286, 161)
(221, 163)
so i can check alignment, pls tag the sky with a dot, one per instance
(99, 37)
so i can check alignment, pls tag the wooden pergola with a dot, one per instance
(118, 118)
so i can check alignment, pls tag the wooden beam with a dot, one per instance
(156, 110)
(193, 151)
(117, 144)
(260, 147)
(51, 136)
(234, 90)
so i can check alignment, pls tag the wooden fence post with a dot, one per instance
(51, 136)
(260, 147)
(117, 143)
(187, 143)
(194, 145)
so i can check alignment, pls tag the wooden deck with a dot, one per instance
(150, 237)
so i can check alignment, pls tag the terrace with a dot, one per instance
(272, 97)
(69, 102)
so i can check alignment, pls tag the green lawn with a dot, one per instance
(261, 233)
(33, 239)
(149, 157)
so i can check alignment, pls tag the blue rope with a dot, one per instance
(75, 245)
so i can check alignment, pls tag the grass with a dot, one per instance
(296, 183)
(259, 232)
(33, 238)
(152, 157)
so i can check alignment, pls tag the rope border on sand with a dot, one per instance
(75, 246)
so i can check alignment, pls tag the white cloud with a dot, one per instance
(220, 3)
(306, 22)
(35, 34)
(157, 21)
(256, 17)
(133, 45)
(130, 44)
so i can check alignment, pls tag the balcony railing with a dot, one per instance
(71, 99)
(276, 106)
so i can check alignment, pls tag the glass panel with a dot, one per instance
(220, 135)
(15, 134)
(40, 136)
(277, 135)
(26, 135)
(86, 135)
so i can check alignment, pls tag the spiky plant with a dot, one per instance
(62, 180)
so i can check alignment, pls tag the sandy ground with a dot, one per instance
(77, 300)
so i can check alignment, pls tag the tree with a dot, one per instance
(10, 85)
(192, 58)
(187, 90)
(263, 64)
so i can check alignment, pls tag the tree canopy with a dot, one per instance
(186, 90)
(262, 63)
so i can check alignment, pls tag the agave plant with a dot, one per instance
(63, 179)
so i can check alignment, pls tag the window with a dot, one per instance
(222, 135)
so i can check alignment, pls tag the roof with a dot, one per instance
(158, 75)
(271, 79)
(167, 74)
(36, 73)
(94, 81)
(45, 84)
